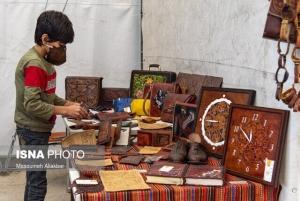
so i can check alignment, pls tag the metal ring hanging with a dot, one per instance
(285, 76)
(281, 61)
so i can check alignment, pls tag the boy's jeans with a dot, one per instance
(36, 181)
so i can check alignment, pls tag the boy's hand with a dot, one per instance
(73, 111)
(76, 111)
(68, 103)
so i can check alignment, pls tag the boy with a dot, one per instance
(36, 102)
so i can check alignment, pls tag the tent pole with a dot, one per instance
(142, 40)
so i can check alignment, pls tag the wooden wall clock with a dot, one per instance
(213, 114)
(254, 142)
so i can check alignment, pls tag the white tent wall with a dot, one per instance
(223, 38)
(106, 44)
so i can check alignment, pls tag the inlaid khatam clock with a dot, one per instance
(254, 142)
(213, 114)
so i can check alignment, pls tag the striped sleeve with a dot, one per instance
(59, 101)
(35, 76)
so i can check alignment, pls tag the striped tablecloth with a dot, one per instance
(246, 191)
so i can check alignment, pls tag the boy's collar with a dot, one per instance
(36, 49)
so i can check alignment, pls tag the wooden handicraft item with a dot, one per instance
(254, 142)
(184, 119)
(283, 25)
(214, 112)
(157, 138)
(139, 78)
(84, 90)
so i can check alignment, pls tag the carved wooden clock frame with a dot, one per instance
(254, 142)
(213, 113)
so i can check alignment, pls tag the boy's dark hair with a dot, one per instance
(56, 24)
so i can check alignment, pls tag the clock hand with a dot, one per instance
(245, 134)
(213, 121)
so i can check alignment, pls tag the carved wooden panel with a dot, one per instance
(84, 90)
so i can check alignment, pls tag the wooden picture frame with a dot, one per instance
(213, 114)
(139, 78)
(254, 142)
(184, 121)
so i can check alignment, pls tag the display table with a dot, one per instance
(234, 189)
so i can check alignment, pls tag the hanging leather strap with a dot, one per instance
(297, 24)
(296, 61)
(288, 16)
(295, 102)
(285, 30)
(297, 73)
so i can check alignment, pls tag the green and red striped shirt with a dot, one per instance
(35, 81)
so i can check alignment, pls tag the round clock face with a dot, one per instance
(213, 121)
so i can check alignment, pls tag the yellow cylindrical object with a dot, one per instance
(140, 107)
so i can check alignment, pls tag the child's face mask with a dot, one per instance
(56, 55)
